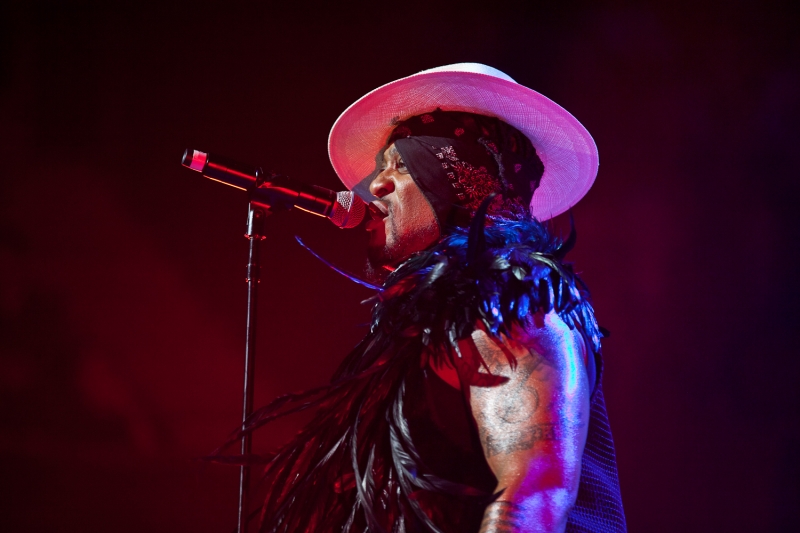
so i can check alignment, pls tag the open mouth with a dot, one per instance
(378, 211)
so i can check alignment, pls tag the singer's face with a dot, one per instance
(402, 220)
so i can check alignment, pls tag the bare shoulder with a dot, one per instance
(543, 344)
(544, 339)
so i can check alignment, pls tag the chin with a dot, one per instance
(375, 274)
(381, 260)
(378, 258)
(396, 248)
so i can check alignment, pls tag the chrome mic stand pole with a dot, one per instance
(255, 233)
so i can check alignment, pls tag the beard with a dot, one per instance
(381, 257)
(375, 273)
(406, 231)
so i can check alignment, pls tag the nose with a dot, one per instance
(381, 185)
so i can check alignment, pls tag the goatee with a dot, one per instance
(375, 269)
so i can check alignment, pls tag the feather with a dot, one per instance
(477, 235)
(569, 244)
(356, 460)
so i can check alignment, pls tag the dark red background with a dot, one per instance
(123, 293)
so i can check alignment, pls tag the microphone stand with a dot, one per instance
(267, 193)
(256, 215)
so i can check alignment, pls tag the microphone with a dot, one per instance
(279, 193)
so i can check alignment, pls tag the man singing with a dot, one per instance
(474, 403)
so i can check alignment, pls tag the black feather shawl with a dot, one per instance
(354, 467)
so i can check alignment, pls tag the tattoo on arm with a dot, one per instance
(517, 439)
(505, 423)
(501, 517)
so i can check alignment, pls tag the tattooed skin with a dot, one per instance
(532, 426)
(524, 439)
(504, 422)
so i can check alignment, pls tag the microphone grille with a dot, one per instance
(348, 210)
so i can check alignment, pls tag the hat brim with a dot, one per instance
(565, 147)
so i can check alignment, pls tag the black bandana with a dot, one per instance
(457, 159)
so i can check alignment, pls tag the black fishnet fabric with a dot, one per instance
(598, 508)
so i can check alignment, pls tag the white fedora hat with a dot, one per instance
(565, 147)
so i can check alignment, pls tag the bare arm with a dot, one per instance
(533, 427)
